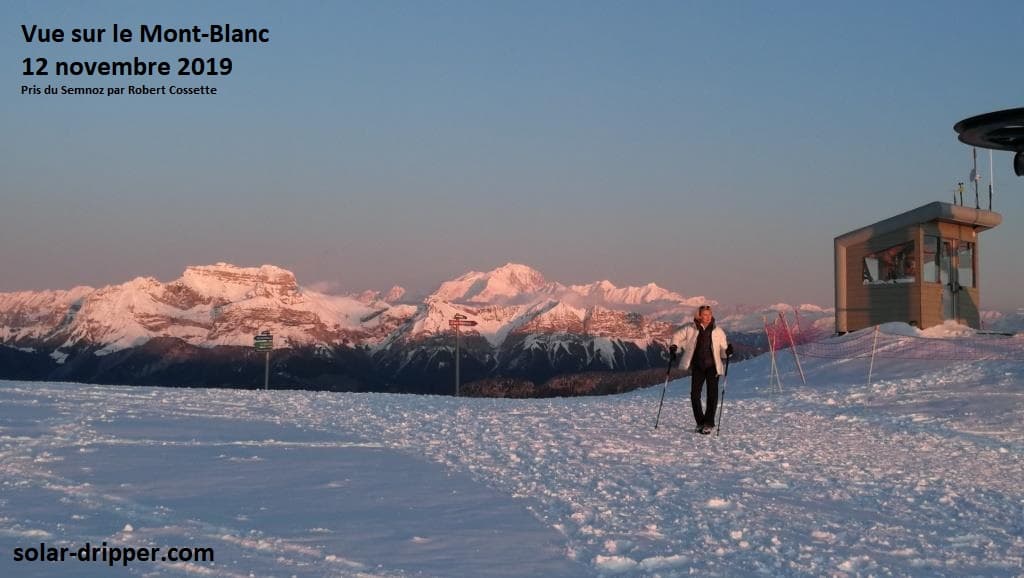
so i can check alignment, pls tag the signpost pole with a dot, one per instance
(455, 323)
(264, 342)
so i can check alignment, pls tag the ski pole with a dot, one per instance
(721, 408)
(671, 358)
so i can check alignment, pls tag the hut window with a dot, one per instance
(930, 267)
(893, 265)
(965, 267)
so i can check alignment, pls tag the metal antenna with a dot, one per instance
(975, 177)
(991, 179)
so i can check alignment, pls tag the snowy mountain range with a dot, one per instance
(526, 326)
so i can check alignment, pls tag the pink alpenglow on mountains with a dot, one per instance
(223, 304)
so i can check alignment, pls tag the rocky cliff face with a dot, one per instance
(28, 318)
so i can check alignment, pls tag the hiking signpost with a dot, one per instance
(264, 342)
(455, 323)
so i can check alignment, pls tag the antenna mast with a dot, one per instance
(975, 177)
(991, 179)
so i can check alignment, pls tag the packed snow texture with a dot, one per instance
(917, 473)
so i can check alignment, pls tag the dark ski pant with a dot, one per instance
(697, 378)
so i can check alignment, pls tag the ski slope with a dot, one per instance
(917, 474)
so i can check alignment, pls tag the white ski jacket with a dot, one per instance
(686, 339)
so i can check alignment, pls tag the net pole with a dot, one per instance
(792, 344)
(874, 346)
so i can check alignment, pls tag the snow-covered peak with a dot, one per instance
(207, 306)
(607, 293)
(395, 294)
(434, 316)
(513, 271)
(519, 284)
(553, 316)
(30, 300)
(367, 297)
(508, 283)
(231, 283)
(804, 316)
(31, 315)
(561, 310)
(802, 308)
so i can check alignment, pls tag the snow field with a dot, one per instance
(916, 474)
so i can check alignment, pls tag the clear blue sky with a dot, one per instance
(715, 148)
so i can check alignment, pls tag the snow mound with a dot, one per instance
(947, 330)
